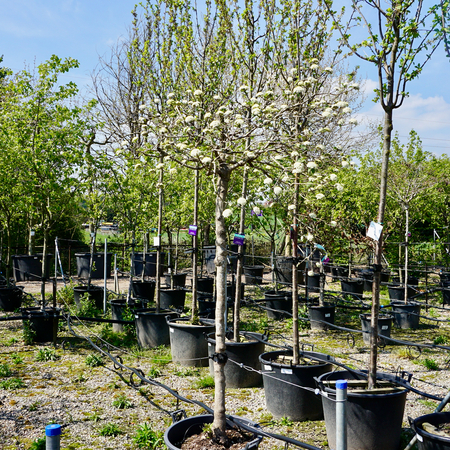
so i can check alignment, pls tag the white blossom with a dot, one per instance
(314, 67)
(320, 196)
(298, 165)
(160, 166)
(189, 119)
(198, 92)
(216, 97)
(333, 223)
(206, 160)
(256, 210)
(347, 110)
(294, 153)
(181, 146)
(195, 152)
(163, 130)
(320, 147)
(277, 190)
(310, 273)
(340, 104)
(333, 177)
(327, 113)
(285, 179)
(354, 86)
(313, 215)
(227, 213)
(170, 95)
(291, 207)
(344, 163)
(215, 124)
(298, 89)
(268, 181)
(328, 70)
(124, 143)
(353, 121)
(311, 165)
(142, 106)
(173, 171)
(309, 237)
(339, 187)
(207, 115)
(239, 122)
(241, 201)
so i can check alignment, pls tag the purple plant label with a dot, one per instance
(325, 260)
(256, 214)
(239, 239)
(193, 230)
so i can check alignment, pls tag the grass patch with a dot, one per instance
(12, 383)
(206, 382)
(110, 429)
(147, 438)
(46, 354)
(122, 402)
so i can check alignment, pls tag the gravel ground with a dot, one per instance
(86, 400)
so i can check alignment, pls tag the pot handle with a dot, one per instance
(411, 424)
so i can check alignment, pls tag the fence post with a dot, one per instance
(52, 437)
(341, 415)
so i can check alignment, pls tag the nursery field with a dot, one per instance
(101, 405)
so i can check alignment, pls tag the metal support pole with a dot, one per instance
(105, 273)
(52, 437)
(341, 415)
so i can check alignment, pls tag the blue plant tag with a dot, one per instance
(193, 230)
(239, 239)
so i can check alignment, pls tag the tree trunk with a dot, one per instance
(194, 310)
(406, 251)
(221, 280)
(239, 264)
(44, 267)
(158, 249)
(296, 343)
(130, 285)
(387, 129)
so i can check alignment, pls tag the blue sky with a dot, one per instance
(32, 30)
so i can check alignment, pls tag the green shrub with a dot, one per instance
(94, 361)
(46, 354)
(110, 429)
(204, 382)
(122, 402)
(38, 444)
(5, 371)
(12, 383)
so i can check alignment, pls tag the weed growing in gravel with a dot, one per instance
(205, 382)
(94, 416)
(16, 358)
(12, 341)
(110, 429)
(46, 354)
(93, 361)
(161, 356)
(12, 383)
(28, 333)
(187, 372)
(154, 372)
(147, 438)
(285, 421)
(38, 444)
(441, 340)
(34, 406)
(122, 402)
(5, 371)
(430, 364)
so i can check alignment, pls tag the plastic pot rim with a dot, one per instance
(287, 366)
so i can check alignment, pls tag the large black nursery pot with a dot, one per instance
(245, 352)
(253, 275)
(353, 287)
(321, 316)
(313, 282)
(178, 432)
(205, 285)
(338, 272)
(172, 298)
(178, 280)
(151, 327)
(118, 308)
(94, 293)
(384, 326)
(206, 305)
(427, 429)
(43, 324)
(10, 298)
(284, 384)
(406, 315)
(29, 267)
(283, 270)
(374, 418)
(397, 292)
(98, 265)
(144, 290)
(188, 343)
(278, 301)
(150, 263)
(446, 292)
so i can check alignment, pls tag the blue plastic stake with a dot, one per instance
(52, 437)
(341, 415)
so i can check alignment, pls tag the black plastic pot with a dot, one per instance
(412, 281)
(406, 315)
(172, 298)
(247, 353)
(384, 326)
(353, 287)
(231, 291)
(118, 307)
(338, 272)
(313, 282)
(205, 285)
(188, 343)
(446, 292)
(280, 301)
(319, 316)
(374, 421)
(283, 270)
(385, 275)
(283, 385)
(179, 280)
(367, 277)
(206, 306)
(29, 267)
(95, 294)
(98, 271)
(10, 298)
(253, 274)
(444, 276)
(397, 292)
(150, 263)
(427, 440)
(144, 290)
(151, 327)
(177, 433)
(43, 324)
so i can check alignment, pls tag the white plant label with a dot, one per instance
(384, 327)
(286, 371)
(374, 231)
(267, 367)
(172, 330)
(156, 241)
(327, 315)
